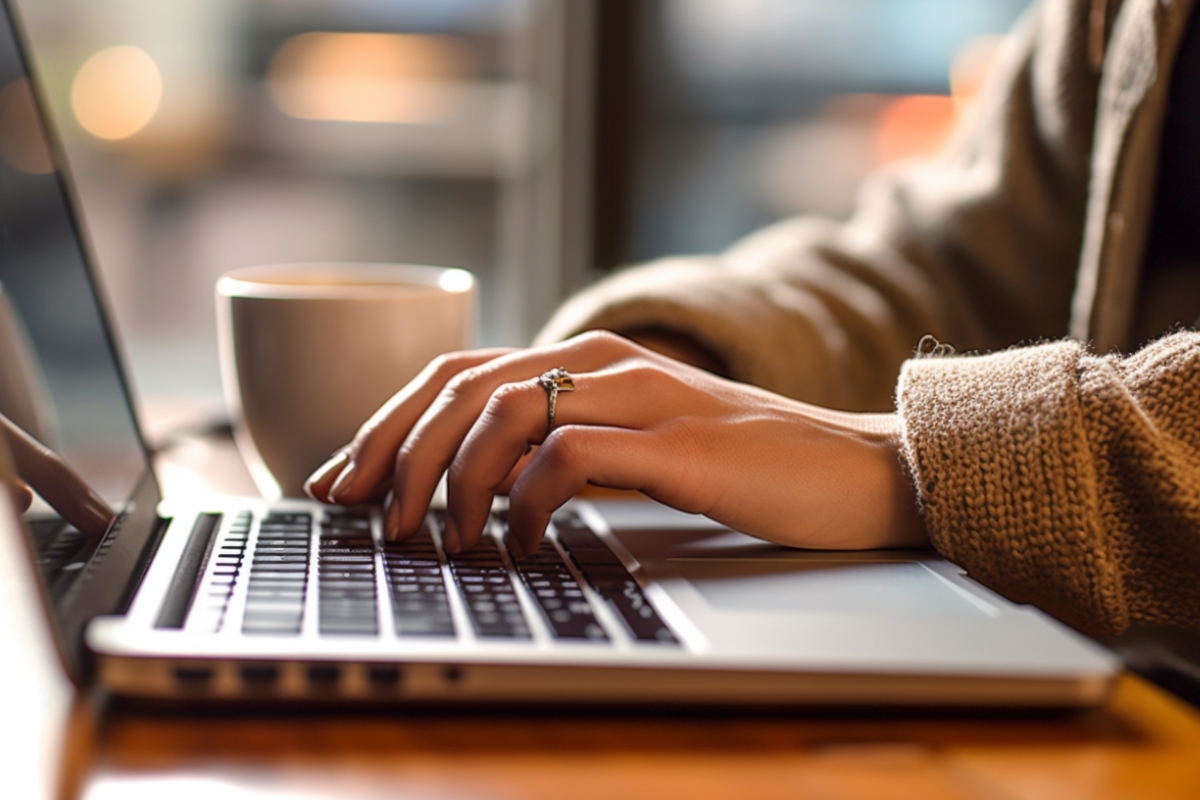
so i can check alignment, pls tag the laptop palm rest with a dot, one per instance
(746, 595)
(735, 573)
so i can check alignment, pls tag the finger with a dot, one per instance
(506, 485)
(572, 457)
(373, 448)
(57, 483)
(318, 484)
(22, 496)
(391, 517)
(515, 417)
(435, 439)
(352, 473)
(380, 492)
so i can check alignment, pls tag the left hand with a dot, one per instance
(763, 464)
(67, 493)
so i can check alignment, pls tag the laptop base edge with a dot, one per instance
(298, 682)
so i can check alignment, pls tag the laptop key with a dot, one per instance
(275, 593)
(63, 551)
(606, 575)
(211, 617)
(574, 533)
(626, 598)
(346, 577)
(493, 615)
(554, 589)
(420, 604)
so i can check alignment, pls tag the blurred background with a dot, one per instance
(538, 143)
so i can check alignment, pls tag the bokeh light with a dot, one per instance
(914, 126)
(456, 280)
(116, 92)
(367, 77)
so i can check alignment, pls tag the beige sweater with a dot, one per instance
(1054, 475)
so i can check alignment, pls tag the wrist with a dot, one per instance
(899, 523)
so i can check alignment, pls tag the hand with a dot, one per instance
(772, 467)
(52, 478)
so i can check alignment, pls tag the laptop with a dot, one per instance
(623, 603)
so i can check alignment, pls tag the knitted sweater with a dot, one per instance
(1065, 479)
(1056, 476)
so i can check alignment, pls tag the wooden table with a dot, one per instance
(1144, 744)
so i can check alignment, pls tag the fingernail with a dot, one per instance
(342, 485)
(335, 462)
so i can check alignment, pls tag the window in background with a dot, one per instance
(535, 142)
(206, 135)
(749, 111)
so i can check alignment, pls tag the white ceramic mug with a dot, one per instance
(309, 351)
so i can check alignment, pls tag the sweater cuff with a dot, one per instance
(997, 448)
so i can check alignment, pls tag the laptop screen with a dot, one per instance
(60, 381)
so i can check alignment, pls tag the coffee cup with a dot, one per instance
(310, 351)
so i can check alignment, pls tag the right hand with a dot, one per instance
(758, 462)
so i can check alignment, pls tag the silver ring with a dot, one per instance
(554, 381)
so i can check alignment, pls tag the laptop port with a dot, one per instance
(260, 676)
(324, 676)
(384, 678)
(194, 678)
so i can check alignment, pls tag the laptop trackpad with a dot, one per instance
(730, 573)
(823, 586)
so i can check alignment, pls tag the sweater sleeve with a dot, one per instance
(977, 247)
(1064, 479)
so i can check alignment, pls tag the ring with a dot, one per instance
(554, 381)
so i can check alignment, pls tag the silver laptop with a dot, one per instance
(294, 601)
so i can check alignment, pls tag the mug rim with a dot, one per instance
(342, 279)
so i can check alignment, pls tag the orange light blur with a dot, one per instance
(917, 126)
(116, 92)
(367, 77)
(914, 126)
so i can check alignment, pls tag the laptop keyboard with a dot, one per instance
(488, 592)
(227, 565)
(567, 612)
(344, 559)
(62, 551)
(609, 578)
(346, 577)
(420, 603)
(278, 575)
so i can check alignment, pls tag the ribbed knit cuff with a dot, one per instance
(997, 447)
